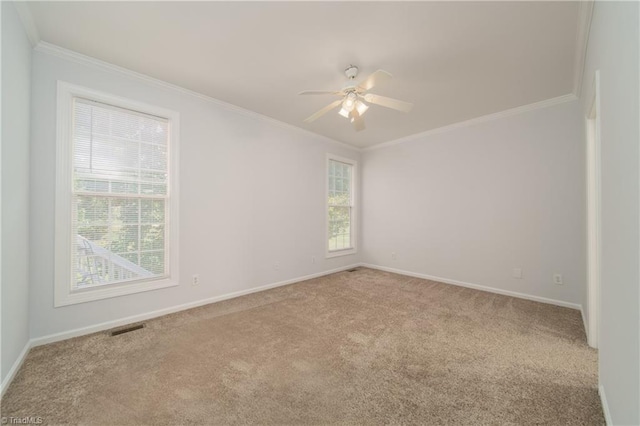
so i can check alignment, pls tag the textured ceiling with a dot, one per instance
(454, 60)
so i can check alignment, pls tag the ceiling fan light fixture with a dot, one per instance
(361, 107)
(350, 101)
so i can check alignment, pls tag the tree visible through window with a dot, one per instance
(340, 205)
(119, 205)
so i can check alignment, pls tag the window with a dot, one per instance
(341, 175)
(116, 209)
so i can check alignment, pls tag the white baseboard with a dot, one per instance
(476, 287)
(51, 338)
(605, 406)
(14, 368)
(585, 323)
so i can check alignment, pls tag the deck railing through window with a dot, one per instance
(97, 265)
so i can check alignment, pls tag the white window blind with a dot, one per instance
(120, 195)
(340, 205)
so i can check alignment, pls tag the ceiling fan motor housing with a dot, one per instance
(351, 72)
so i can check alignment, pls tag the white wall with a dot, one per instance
(252, 194)
(613, 49)
(471, 203)
(16, 70)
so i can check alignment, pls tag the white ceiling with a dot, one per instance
(454, 60)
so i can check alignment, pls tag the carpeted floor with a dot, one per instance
(364, 347)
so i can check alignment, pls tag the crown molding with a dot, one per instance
(483, 119)
(27, 22)
(61, 52)
(585, 13)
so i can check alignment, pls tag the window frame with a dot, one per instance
(64, 294)
(354, 208)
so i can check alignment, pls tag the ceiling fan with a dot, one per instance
(353, 98)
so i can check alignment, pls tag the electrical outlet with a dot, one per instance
(557, 279)
(517, 273)
(195, 280)
(276, 266)
(393, 255)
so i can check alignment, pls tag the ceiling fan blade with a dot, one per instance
(357, 120)
(358, 124)
(388, 102)
(323, 111)
(377, 77)
(320, 92)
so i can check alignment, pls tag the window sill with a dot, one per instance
(108, 291)
(338, 253)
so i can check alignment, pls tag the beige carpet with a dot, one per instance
(364, 347)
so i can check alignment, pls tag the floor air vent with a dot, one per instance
(353, 270)
(126, 330)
